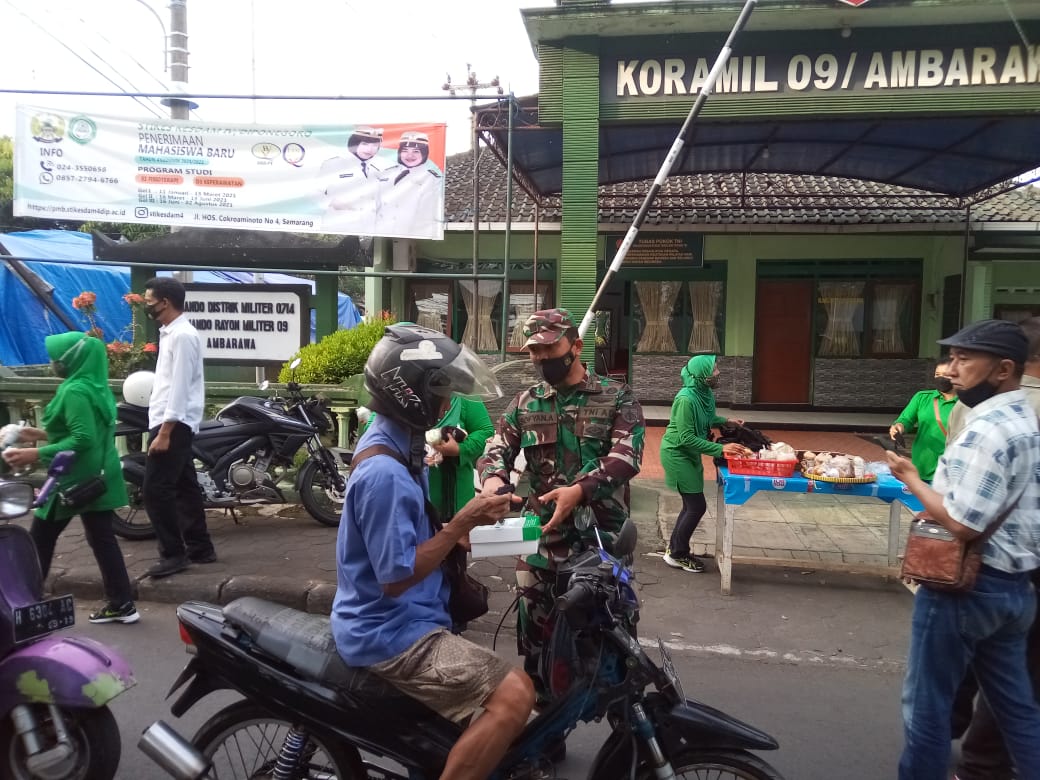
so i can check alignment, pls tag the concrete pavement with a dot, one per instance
(795, 614)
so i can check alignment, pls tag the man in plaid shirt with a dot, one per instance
(989, 473)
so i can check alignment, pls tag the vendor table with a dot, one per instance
(736, 489)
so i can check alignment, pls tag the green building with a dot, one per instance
(856, 187)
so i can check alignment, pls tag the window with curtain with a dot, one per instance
(656, 306)
(523, 302)
(705, 303)
(842, 304)
(431, 305)
(891, 328)
(479, 300)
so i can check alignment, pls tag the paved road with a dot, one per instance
(832, 720)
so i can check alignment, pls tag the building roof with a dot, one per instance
(706, 200)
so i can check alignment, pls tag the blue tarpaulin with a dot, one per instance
(26, 320)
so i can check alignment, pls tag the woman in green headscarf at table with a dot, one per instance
(686, 440)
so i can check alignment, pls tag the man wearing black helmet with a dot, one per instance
(390, 612)
(988, 477)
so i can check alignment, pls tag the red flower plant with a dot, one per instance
(124, 355)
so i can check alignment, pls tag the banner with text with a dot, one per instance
(249, 323)
(869, 62)
(368, 180)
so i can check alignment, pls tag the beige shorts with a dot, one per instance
(450, 675)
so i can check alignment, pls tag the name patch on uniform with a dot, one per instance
(538, 418)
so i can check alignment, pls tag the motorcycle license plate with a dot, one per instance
(43, 617)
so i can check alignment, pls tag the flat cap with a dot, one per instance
(997, 337)
(547, 326)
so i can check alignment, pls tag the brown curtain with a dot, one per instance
(705, 298)
(889, 302)
(479, 300)
(657, 300)
(842, 301)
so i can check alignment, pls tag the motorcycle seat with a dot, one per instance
(305, 642)
(209, 424)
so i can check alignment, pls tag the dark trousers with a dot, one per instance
(173, 498)
(693, 508)
(983, 754)
(98, 529)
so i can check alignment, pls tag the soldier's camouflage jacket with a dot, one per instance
(592, 436)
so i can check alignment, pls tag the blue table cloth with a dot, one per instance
(738, 488)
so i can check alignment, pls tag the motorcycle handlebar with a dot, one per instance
(579, 594)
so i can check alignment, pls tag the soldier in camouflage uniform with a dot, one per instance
(583, 436)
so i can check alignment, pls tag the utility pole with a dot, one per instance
(473, 84)
(178, 47)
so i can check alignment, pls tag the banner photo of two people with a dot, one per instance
(372, 179)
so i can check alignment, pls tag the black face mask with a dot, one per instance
(59, 369)
(973, 396)
(555, 370)
(943, 384)
(152, 310)
(711, 381)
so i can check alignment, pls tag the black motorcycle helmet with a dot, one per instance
(413, 369)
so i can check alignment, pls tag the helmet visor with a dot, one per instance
(467, 375)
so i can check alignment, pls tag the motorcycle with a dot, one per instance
(55, 723)
(307, 715)
(243, 454)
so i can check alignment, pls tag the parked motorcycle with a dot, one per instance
(307, 715)
(244, 454)
(55, 723)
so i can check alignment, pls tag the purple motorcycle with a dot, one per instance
(54, 690)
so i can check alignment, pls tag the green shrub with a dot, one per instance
(339, 355)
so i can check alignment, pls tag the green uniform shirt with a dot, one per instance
(930, 441)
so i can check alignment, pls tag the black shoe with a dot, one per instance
(210, 557)
(167, 566)
(115, 613)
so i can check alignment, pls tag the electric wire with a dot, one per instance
(85, 61)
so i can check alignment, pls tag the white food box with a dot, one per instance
(509, 536)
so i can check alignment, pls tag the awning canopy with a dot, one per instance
(244, 249)
(961, 157)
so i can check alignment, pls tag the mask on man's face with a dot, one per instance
(152, 310)
(555, 370)
(975, 395)
(943, 384)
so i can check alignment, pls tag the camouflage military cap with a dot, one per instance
(548, 326)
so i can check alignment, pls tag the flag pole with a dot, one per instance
(669, 161)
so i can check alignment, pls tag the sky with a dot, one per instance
(303, 47)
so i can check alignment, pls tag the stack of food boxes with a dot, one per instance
(509, 536)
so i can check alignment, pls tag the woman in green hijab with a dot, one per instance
(82, 418)
(684, 443)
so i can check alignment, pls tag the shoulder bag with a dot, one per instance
(937, 559)
(468, 597)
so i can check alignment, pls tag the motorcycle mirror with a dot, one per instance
(584, 518)
(61, 463)
(295, 364)
(264, 385)
(15, 499)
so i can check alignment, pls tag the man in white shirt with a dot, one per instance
(171, 490)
